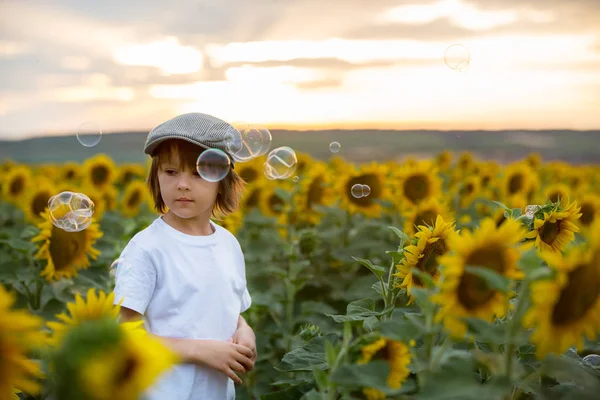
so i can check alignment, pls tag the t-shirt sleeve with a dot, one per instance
(135, 278)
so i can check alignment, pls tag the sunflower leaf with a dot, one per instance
(372, 375)
(308, 357)
(401, 235)
(376, 269)
(423, 277)
(402, 331)
(493, 279)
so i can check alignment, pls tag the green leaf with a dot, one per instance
(373, 375)
(308, 357)
(421, 297)
(376, 269)
(330, 353)
(485, 331)
(370, 323)
(312, 395)
(493, 279)
(378, 288)
(291, 393)
(397, 256)
(289, 382)
(402, 331)
(401, 235)
(358, 310)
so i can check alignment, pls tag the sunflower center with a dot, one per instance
(275, 203)
(515, 184)
(99, 175)
(127, 371)
(134, 199)
(39, 203)
(128, 177)
(367, 179)
(549, 231)
(485, 181)
(70, 174)
(467, 189)
(425, 217)
(473, 291)
(416, 188)
(66, 247)
(315, 192)
(555, 196)
(580, 294)
(428, 263)
(17, 185)
(588, 214)
(249, 174)
(253, 198)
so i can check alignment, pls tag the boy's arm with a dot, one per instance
(245, 336)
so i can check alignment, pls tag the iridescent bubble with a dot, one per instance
(296, 179)
(213, 165)
(357, 191)
(592, 360)
(457, 57)
(366, 190)
(281, 163)
(254, 141)
(120, 267)
(334, 147)
(70, 211)
(89, 134)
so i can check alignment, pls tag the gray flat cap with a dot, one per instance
(197, 128)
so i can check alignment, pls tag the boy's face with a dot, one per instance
(183, 191)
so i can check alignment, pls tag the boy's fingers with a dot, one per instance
(234, 377)
(236, 366)
(244, 350)
(246, 362)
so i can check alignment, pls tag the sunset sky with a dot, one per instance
(129, 65)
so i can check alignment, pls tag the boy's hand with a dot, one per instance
(227, 357)
(244, 336)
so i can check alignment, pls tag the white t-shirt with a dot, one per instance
(186, 287)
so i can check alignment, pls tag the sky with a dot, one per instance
(301, 64)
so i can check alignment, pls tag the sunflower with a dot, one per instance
(19, 333)
(65, 252)
(98, 197)
(534, 160)
(468, 190)
(418, 183)
(556, 192)
(110, 197)
(432, 242)
(251, 197)
(465, 163)
(36, 199)
(425, 213)
(99, 171)
(105, 360)
(397, 354)
(136, 194)
(443, 160)
(463, 294)
(251, 171)
(518, 179)
(590, 211)
(270, 203)
(70, 172)
(557, 229)
(488, 174)
(373, 175)
(130, 172)
(93, 308)
(16, 183)
(232, 222)
(567, 307)
(316, 190)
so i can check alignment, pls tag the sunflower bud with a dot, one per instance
(309, 332)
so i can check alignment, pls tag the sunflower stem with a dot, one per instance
(513, 327)
(38, 293)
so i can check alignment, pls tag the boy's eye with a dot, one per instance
(170, 171)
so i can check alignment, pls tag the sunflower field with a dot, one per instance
(454, 278)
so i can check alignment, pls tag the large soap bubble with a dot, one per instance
(70, 211)
(249, 142)
(213, 165)
(281, 163)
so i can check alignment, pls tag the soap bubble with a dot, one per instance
(296, 179)
(457, 57)
(592, 360)
(253, 141)
(358, 191)
(213, 165)
(89, 134)
(281, 163)
(120, 267)
(334, 147)
(70, 211)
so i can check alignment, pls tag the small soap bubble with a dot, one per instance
(366, 190)
(592, 360)
(334, 147)
(281, 163)
(70, 211)
(89, 134)
(457, 57)
(120, 267)
(254, 141)
(296, 179)
(213, 165)
(357, 191)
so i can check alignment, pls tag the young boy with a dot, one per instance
(184, 274)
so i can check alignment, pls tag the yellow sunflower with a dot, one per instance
(270, 203)
(567, 307)
(417, 183)
(251, 171)
(136, 194)
(556, 192)
(98, 197)
(463, 294)
(93, 308)
(425, 213)
(65, 252)
(534, 160)
(373, 175)
(70, 172)
(396, 353)
(110, 196)
(557, 229)
(16, 183)
(590, 211)
(468, 190)
(251, 197)
(99, 171)
(443, 160)
(465, 163)
(432, 242)
(19, 334)
(488, 174)
(130, 172)
(232, 222)
(316, 190)
(36, 199)
(518, 179)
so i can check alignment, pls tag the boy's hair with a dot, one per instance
(231, 187)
